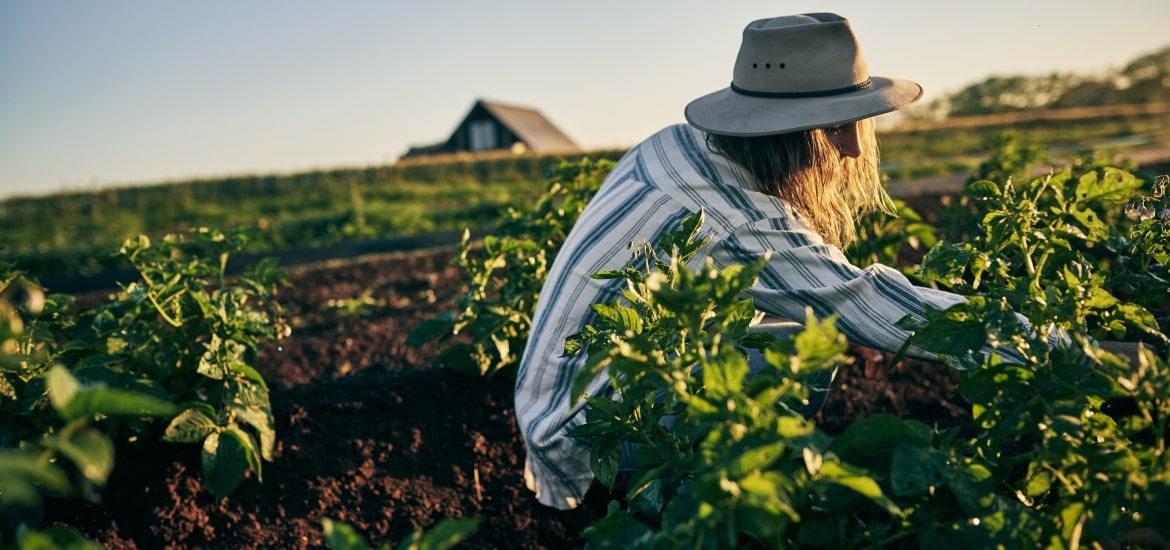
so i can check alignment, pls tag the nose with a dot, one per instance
(844, 137)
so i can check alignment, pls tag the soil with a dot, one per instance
(371, 434)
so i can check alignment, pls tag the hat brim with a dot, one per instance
(728, 113)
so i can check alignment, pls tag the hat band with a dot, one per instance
(793, 95)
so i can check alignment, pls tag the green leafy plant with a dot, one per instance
(1143, 274)
(891, 239)
(1060, 452)
(184, 333)
(487, 334)
(723, 461)
(1042, 247)
(443, 535)
(62, 450)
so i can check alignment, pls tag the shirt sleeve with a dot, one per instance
(804, 272)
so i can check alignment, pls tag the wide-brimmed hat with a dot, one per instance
(798, 72)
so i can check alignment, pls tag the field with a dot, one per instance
(354, 422)
(371, 434)
(344, 205)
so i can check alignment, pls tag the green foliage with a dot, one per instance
(54, 442)
(1062, 453)
(68, 233)
(1141, 81)
(488, 333)
(890, 239)
(443, 535)
(72, 381)
(1049, 248)
(56, 537)
(1143, 270)
(722, 459)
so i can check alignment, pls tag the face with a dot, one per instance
(844, 137)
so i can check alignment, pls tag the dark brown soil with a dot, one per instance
(369, 433)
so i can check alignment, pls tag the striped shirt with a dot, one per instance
(654, 186)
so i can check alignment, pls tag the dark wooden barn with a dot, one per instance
(492, 126)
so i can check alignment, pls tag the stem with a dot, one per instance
(1028, 258)
(161, 311)
(1040, 265)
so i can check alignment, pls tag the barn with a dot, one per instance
(493, 126)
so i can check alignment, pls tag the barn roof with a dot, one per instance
(530, 126)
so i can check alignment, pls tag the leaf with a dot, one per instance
(983, 189)
(623, 318)
(432, 329)
(249, 444)
(91, 451)
(1070, 517)
(915, 470)
(30, 468)
(61, 386)
(739, 318)
(262, 422)
(225, 461)
(191, 425)
(7, 390)
(748, 458)
(952, 337)
(116, 403)
(216, 362)
(793, 427)
(441, 536)
(342, 536)
(603, 460)
(54, 537)
(724, 374)
(879, 434)
(1039, 482)
(1116, 185)
(249, 402)
(973, 486)
(857, 480)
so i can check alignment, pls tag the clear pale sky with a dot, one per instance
(114, 92)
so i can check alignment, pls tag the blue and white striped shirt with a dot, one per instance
(655, 185)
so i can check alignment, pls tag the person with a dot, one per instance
(782, 162)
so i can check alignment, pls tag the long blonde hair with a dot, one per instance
(805, 170)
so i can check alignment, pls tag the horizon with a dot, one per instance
(123, 93)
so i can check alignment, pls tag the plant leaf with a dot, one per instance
(224, 462)
(191, 425)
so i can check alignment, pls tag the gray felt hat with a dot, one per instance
(798, 72)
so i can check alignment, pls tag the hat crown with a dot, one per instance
(799, 55)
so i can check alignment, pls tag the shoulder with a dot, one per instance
(679, 135)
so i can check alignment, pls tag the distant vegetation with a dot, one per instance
(1067, 113)
(1143, 80)
(75, 233)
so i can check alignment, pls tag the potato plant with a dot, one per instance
(178, 344)
(1052, 249)
(1062, 453)
(61, 451)
(495, 313)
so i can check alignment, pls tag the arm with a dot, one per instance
(803, 272)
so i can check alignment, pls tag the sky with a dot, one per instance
(116, 92)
